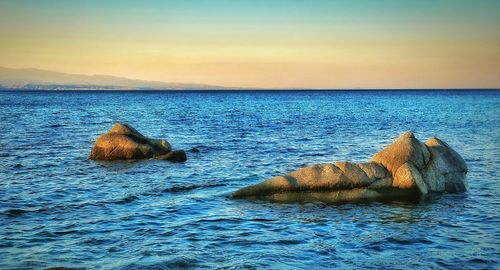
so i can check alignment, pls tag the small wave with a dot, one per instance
(175, 263)
(262, 220)
(96, 241)
(184, 188)
(218, 220)
(65, 232)
(375, 245)
(457, 239)
(14, 212)
(483, 261)
(289, 242)
(56, 125)
(408, 241)
(52, 234)
(127, 199)
(63, 268)
(381, 245)
(180, 263)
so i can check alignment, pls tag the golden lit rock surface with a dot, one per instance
(123, 142)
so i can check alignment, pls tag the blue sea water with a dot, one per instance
(59, 209)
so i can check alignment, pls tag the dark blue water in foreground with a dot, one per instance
(59, 209)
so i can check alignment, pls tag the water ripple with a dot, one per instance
(58, 209)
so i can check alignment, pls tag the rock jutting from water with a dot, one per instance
(123, 142)
(407, 169)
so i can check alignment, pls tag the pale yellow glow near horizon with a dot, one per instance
(350, 53)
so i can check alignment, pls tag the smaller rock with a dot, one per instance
(195, 150)
(123, 142)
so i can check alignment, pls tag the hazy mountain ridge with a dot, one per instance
(37, 79)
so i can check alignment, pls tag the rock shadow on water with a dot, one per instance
(337, 197)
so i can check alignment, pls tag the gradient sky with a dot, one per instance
(278, 44)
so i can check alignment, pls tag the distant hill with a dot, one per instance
(36, 79)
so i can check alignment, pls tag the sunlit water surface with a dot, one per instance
(59, 209)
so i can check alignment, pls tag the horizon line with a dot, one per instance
(246, 89)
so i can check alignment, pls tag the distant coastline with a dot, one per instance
(31, 79)
(38, 79)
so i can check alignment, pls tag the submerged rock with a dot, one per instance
(174, 156)
(406, 169)
(123, 142)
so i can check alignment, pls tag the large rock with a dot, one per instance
(406, 169)
(123, 142)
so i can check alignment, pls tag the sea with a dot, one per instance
(60, 209)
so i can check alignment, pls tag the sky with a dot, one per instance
(266, 44)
